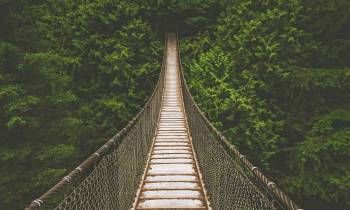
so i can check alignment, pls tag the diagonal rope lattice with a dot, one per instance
(109, 178)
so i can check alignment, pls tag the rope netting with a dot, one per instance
(231, 181)
(114, 181)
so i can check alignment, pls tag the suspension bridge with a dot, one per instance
(168, 157)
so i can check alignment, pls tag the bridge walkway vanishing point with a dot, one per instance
(169, 156)
(172, 178)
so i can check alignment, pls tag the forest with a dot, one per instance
(272, 75)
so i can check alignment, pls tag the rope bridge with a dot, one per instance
(201, 167)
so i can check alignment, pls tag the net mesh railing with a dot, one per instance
(230, 180)
(110, 177)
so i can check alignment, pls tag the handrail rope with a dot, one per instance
(283, 198)
(102, 151)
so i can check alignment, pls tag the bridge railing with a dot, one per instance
(230, 179)
(110, 177)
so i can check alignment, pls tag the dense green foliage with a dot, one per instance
(70, 78)
(275, 78)
(272, 75)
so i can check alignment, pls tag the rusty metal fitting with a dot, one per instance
(67, 178)
(113, 142)
(79, 169)
(38, 202)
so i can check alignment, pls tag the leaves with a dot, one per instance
(69, 80)
(282, 92)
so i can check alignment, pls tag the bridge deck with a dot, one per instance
(172, 178)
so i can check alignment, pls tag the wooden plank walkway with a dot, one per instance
(172, 179)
